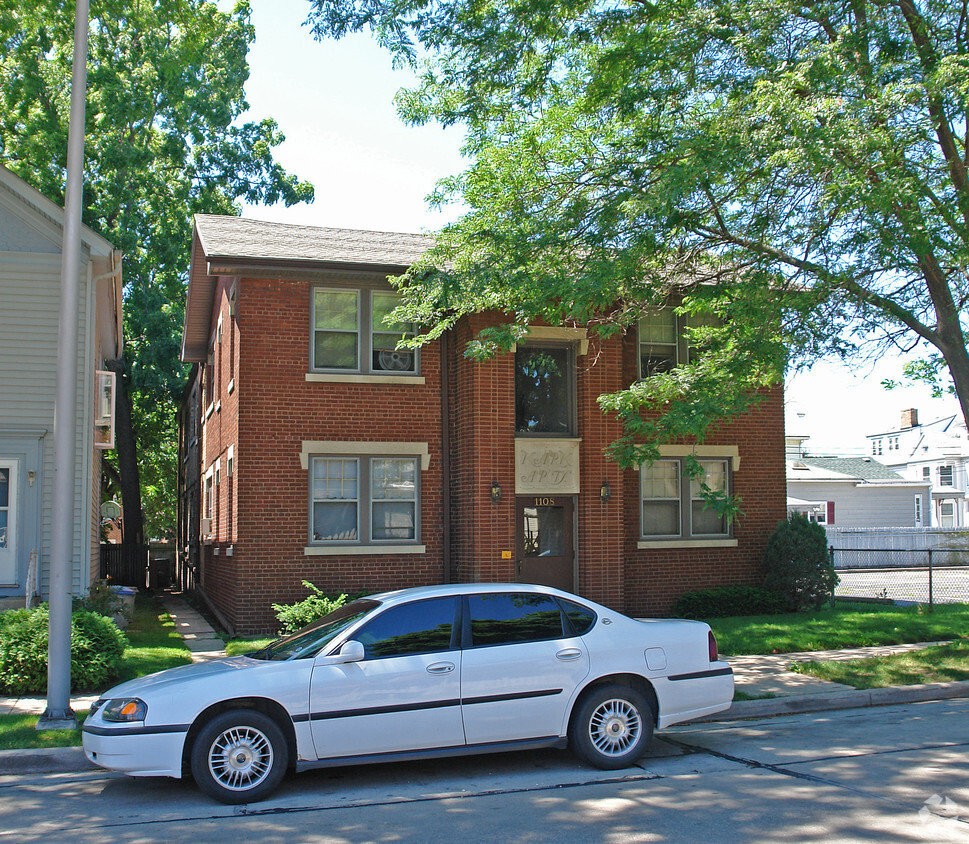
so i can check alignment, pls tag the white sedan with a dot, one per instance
(426, 672)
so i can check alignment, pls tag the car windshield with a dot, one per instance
(308, 641)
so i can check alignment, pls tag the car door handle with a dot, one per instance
(568, 654)
(440, 668)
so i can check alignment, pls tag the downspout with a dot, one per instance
(446, 453)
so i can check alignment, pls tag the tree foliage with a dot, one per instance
(798, 169)
(166, 138)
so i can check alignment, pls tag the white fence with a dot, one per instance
(898, 547)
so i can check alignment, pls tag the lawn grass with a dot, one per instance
(153, 645)
(846, 625)
(153, 641)
(940, 664)
(235, 647)
(20, 731)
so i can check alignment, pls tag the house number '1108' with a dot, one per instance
(544, 502)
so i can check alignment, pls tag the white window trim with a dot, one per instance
(337, 378)
(320, 448)
(557, 334)
(361, 550)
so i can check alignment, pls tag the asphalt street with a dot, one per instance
(898, 773)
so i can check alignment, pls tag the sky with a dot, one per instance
(334, 102)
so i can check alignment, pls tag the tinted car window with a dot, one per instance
(503, 619)
(416, 628)
(581, 618)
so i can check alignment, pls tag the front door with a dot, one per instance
(8, 523)
(544, 533)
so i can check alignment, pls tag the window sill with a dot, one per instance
(340, 550)
(686, 543)
(390, 380)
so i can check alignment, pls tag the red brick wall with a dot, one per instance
(277, 409)
(263, 508)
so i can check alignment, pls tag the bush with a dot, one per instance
(97, 648)
(293, 617)
(723, 601)
(799, 565)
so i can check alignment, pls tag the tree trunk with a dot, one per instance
(132, 525)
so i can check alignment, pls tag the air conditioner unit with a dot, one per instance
(104, 410)
(206, 527)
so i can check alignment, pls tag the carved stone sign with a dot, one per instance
(546, 466)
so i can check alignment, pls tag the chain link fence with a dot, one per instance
(922, 576)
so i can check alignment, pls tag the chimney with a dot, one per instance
(910, 418)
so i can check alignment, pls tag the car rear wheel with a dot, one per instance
(611, 727)
(240, 756)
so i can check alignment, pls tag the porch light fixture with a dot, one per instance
(495, 492)
(605, 492)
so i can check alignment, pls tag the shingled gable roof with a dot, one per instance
(854, 469)
(235, 240)
(234, 245)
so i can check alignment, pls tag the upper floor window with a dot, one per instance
(945, 476)
(663, 342)
(350, 335)
(675, 509)
(545, 390)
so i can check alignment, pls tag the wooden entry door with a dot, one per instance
(545, 550)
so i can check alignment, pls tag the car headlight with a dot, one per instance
(125, 709)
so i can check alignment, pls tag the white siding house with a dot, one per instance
(936, 453)
(31, 233)
(854, 492)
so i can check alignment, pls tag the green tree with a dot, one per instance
(798, 169)
(165, 139)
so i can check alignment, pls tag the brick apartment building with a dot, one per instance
(313, 450)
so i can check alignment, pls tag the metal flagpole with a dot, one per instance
(59, 714)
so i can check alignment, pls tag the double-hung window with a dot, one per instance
(663, 342)
(672, 504)
(351, 336)
(364, 499)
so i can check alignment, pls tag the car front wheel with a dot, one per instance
(612, 727)
(239, 756)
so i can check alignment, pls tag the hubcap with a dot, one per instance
(240, 758)
(615, 727)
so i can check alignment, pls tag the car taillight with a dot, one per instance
(712, 643)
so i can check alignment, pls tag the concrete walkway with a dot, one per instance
(197, 633)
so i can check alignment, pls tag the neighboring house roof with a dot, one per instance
(850, 469)
(233, 246)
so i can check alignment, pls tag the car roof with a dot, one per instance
(448, 589)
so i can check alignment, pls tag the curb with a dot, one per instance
(48, 760)
(854, 699)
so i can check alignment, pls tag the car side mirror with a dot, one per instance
(351, 651)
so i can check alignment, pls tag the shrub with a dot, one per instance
(799, 565)
(723, 601)
(293, 617)
(97, 648)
